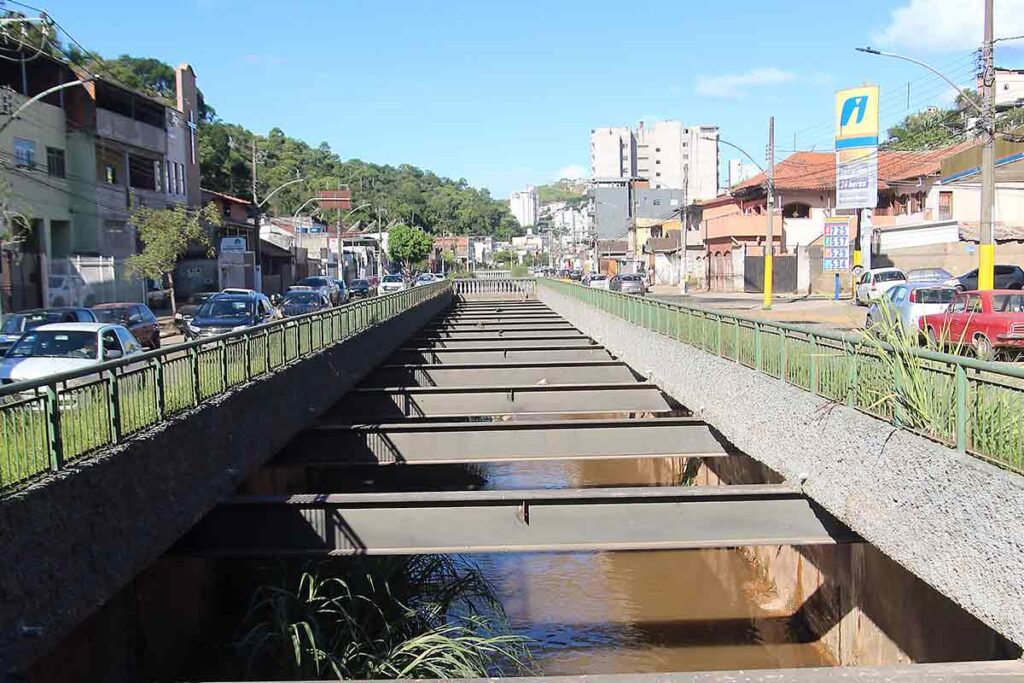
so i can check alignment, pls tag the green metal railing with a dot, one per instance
(47, 423)
(974, 406)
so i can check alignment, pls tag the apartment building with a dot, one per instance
(666, 153)
(523, 205)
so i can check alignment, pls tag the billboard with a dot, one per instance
(835, 251)
(857, 148)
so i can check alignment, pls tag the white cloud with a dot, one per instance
(946, 25)
(572, 172)
(735, 86)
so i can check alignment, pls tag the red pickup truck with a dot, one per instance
(992, 323)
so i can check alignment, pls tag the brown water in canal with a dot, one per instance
(620, 612)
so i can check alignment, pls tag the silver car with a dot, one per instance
(628, 284)
(904, 304)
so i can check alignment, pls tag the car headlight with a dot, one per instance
(178, 316)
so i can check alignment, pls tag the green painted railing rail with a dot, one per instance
(46, 424)
(968, 404)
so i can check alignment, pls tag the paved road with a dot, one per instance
(800, 310)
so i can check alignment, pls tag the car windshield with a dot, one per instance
(360, 283)
(940, 295)
(226, 308)
(113, 315)
(315, 282)
(631, 278)
(1008, 303)
(16, 324)
(928, 274)
(307, 297)
(599, 277)
(56, 344)
(889, 276)
(392, 278)
(426, 277)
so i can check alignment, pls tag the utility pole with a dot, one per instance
(769, 237)
(986, 247)
(685, 217)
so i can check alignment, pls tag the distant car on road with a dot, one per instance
(360, 288)
(424, 279)
(391, 283)
(575, 275)
(326, 285)
(15, 324)
(302, 301)
(876, 282)
(1006, 277)
(599, 281)
(64, 347)
(905, 304)
(628, 284)
(138, 318)
(940, 275)
(991, 323)
(229, 313)
(183, 316)
(344, 294)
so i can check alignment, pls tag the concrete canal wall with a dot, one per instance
(947, 518)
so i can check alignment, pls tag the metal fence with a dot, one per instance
(974, 406)
(47, 423)
(526, 286)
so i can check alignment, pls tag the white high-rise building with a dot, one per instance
(524, 206)
(666, 153)
(612, 153)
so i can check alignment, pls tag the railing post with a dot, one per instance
(161, 400)
(247, 356)
(758, 349)
(814, 365)
(718, 329)
(851, 395)
(266, 350)
(196, 375)
(223, 364)
(961, 408)
(783, 357)
(736, 339)
(53, 434)
(115, 406)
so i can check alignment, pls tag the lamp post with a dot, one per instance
(987, 112)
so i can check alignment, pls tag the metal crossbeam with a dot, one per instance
(400, 402)
(467, 442)
(561, 331)
(551, 341)
(480, 356)
(500, 324)
(638, 518)
(502, 374)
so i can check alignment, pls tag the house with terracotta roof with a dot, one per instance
(733, 226)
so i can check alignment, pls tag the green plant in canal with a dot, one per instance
(404, 617)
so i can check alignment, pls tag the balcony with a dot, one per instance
(130, 132)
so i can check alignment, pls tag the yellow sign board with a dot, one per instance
(857, 117)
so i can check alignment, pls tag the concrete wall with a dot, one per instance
(952, 520)
(73, 540)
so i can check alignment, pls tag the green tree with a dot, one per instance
(165, 235)
(506, 257)
(408, 245)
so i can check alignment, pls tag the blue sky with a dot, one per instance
(505, 94)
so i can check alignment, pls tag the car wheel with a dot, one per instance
(933, 339)
(983, 349)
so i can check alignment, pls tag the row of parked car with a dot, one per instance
(930, 304)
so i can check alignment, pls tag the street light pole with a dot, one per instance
(769, 238)
(987, 111)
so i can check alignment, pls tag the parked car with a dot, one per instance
(183, 316)
(230, 313)
(391, 283)
(575, 275)
(628, 284)
(424, 279)
(64, 347)
(238, 290)
(1006, 277)
(138, 318)
(15, 324)
(302, 301)
(325, 284)
(876, 282)
(903, 305)
(344, 295)
(940, 275)
(990, 322)
(599, 281)
(360, 288)
(158, 294)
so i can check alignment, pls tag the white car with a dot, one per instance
(65, 347)
(600, 281)
(876, 282)
(425, 279)
(391, 283)
(906, 303)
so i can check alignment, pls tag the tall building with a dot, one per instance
(524, 206)
(612, 153)
(666, 153)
